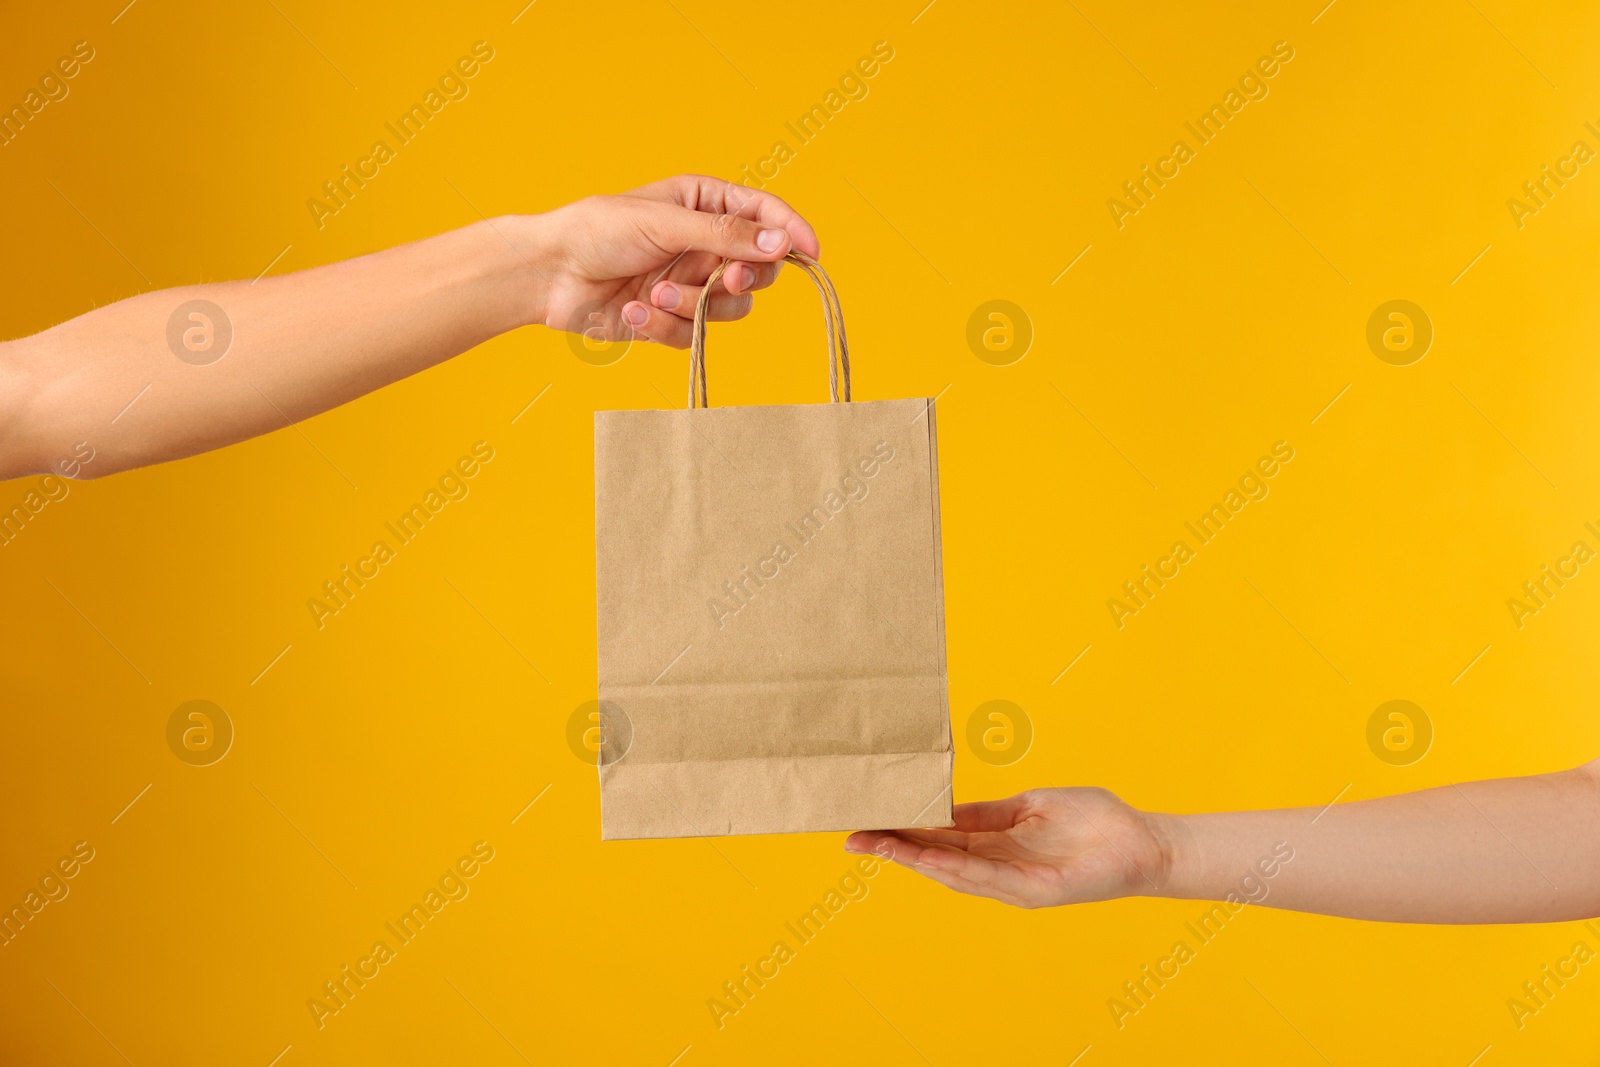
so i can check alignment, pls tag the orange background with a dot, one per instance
(1223, 317)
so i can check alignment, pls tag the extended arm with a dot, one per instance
(180, 371)
(1498, 851)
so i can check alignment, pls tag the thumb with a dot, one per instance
(678, 229)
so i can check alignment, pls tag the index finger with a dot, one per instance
(945, 864)
(703, 193)
(990, 815)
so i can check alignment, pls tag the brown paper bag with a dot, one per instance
(771, 612)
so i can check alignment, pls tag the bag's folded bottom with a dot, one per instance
(713, 798)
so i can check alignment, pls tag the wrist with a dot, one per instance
(518, 249)
(1178, 865)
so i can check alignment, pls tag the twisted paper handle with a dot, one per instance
(838, 346)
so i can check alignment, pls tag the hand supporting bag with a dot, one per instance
(771, 611)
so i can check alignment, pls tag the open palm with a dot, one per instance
(1037, 849)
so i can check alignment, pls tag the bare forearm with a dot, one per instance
(301, 343)
(182, 371)
(1498, 851)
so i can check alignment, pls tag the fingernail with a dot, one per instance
(636, 314)
(769, 240)
(668, 297)
(743, 278)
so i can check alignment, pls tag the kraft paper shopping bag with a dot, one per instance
(771, 612)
